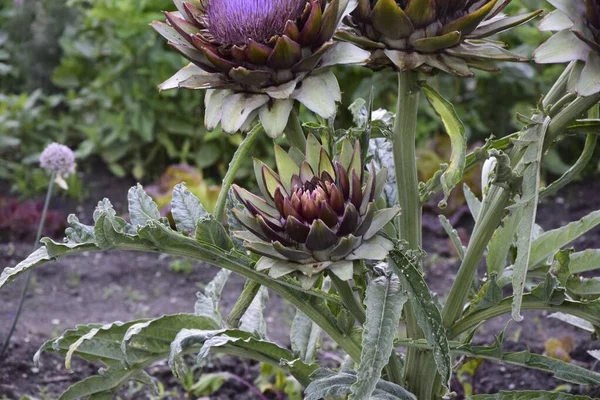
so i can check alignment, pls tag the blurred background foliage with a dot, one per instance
(85, 73)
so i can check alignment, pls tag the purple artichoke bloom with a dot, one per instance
(253, 54)
(59, 159)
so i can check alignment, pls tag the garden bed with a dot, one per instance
(104, 287)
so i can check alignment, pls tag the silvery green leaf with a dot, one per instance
(375, 249)
(207, 304)
(326, 384)
(529, 167)
(105, 384)
(185, 339)
(453, 234)
(428, 315)
(187, 210)
(573, 320)
(382, 152)
(458, 140)
(342, 269)
(359, 112)
(384, 301)
(500, 244)
(141, 207)
(78, 232)
(561, 48)
(155, 336)
(213, 107)
(304, 337)
(584, 261)
(529, 395)
(551, 241)
(344, 53)
(210, 231)
(104, 206)
(253, 320)
(473, 202)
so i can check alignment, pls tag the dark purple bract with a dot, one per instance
(235, 21)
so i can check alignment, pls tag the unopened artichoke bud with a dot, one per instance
(257, 56)
(577, 38)
(430, 35)
(316, 213)
(59, 160)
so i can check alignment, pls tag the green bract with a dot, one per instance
(428, 35)
(259, 77)
(317, 213)
(577, 24)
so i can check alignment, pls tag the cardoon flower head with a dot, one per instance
(577, 24)
(428, 35)
(317, 213)
(258, 56)
(235, 21)
(59, 159)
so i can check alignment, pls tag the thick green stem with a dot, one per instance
(242, 304)
(405, 162)
(569, 114)
(349, 300)
(236, 162)
(560, 86)
(36, 244)
(294, 132)
(490, 218)
(530, 302)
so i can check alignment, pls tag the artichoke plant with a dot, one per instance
(258, 56)
(429, 35)
(316, 214)
(577, 24)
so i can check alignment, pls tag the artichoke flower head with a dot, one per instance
(577, 38)
(429, 35)
(257, 56)
(317, 213)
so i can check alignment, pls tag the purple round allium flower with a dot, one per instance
(234, 22)
(59, 159)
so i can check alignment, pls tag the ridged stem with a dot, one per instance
(242, 304)
(236, 162)
(560, 86)
(36, 244)
(405, 162)
(489, 219)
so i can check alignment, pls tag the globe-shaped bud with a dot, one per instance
(258, 56)
(316, 213)
(429, 35)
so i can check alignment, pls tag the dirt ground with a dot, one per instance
(104, 287)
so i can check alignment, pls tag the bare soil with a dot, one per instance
(104, 287)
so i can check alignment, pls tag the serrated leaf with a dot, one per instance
(500, 244)
(187, 210)
(155, 336)
(458, 140)
(453, 235)
(207, 304)
(141, 207)
(529, 167)
(253, 320)
(551, 241)
(384, 302)
(304, 337)
(210, 231)
(327, 383)
(428, 315)
(528, 395)
(242, 344)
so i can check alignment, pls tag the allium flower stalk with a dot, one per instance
(59, 160)
(257, 57)
(316, 214)
(577, 24)
(428, 35)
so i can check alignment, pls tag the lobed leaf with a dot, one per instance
(187, 210)
(384, 302)
(141, 207)
(428, 315)
(207, 304)
(304, 337)
(253, 320)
